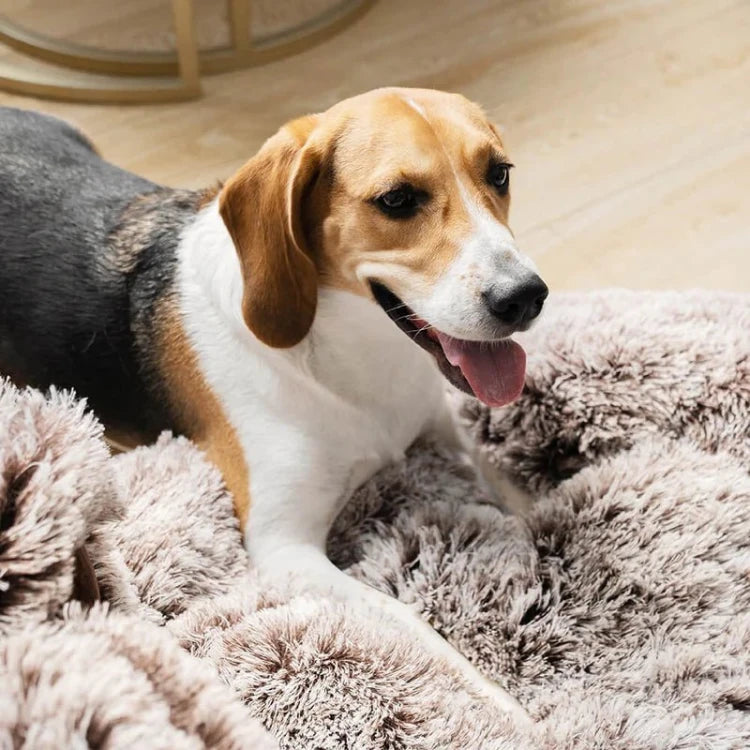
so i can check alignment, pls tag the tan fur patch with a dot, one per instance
(196, 409)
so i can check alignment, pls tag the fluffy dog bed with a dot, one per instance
(617, 610)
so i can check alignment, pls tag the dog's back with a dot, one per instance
(65, 282)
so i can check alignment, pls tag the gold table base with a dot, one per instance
(121, 77)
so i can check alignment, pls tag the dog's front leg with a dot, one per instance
(290, 549)
(500, 491)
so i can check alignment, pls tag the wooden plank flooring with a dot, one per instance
(629, 122)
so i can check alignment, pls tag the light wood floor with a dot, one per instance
(629, 121)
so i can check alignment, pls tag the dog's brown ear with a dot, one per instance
(262, 208)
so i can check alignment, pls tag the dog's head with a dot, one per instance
(401, 195)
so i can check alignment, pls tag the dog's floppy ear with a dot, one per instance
(262, 208)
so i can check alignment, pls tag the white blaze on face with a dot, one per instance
(415, 107)
(488, 258)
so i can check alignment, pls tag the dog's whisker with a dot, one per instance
(396, 307)
(409, 316)
(425, 325)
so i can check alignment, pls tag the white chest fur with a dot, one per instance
(316, 420)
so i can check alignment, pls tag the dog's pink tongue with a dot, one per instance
(494, 371)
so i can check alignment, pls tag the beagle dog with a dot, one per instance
(298, 323)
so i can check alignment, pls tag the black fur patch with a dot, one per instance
(86, 250)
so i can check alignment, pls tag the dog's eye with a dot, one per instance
(400, 203)
(498, 175)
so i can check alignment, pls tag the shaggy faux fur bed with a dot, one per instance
(617, 609)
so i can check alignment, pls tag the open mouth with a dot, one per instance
(492, 371)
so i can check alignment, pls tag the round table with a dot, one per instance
(122, 76)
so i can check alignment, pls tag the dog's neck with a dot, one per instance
(352, 349)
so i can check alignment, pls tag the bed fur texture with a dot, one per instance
(617, 609)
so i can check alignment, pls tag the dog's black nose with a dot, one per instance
(519, 304)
